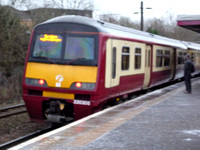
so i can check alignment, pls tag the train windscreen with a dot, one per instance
(48, 46)
(79, 47)
(64, 49)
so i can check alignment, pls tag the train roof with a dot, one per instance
(191, 45)
(121, 31)
(191, 22)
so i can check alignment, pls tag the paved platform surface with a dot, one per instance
(166, 119)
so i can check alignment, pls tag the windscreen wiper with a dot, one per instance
(47, 58)
(74, 60)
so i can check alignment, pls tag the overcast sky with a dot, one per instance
(160, 8)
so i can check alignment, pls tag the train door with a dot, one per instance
(173, 63)
(147, 68)
(112, 75)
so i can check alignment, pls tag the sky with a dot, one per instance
(160, 8)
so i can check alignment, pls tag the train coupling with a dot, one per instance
(58, 119)
(58, 112)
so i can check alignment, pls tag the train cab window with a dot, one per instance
(125, 58)
(79, 47)
(159, 58)
(167, 58)
(64, 49)
(138, 57)
(48, 46)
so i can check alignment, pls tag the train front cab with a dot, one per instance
(61, 72)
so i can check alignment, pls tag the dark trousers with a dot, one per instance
(188, 85)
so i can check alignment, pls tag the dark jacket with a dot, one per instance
(188, 68)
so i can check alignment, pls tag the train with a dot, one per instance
(77, 65)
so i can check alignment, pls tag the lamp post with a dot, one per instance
(142, 15)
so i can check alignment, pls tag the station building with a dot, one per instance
(191, 22)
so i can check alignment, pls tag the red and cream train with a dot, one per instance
(76, 65)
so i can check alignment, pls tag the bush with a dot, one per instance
(13, 41)
(11, 87)
(13, 47)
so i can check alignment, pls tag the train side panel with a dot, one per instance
(180, 59)
(195, 57)
(163, 67)
(124, 72)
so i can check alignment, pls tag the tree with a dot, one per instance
(156, 26)
(13, 41)
(186, 35)
(77, 4)
(123, 21)
(171, 30)
(63, 4)
(47, 9)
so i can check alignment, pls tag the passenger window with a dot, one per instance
(193, 57)
(167, 58)
(138, 54)
(180, 58)
(125, 58)
(199, 57)
(149, 62)
(114, 62)
(159, 58)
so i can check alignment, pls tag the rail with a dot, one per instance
(12, 110)
(25, 138)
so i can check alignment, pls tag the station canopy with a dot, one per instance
(191, 22)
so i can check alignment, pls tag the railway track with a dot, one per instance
(12, 110)
(25, 138)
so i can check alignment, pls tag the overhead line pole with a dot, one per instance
(142, 17)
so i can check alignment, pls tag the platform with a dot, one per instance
(166, 119)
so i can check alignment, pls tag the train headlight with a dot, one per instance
(78, 85)
(41, 82)
(83, 86)
(36, 82)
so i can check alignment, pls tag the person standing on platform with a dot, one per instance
(188, 69)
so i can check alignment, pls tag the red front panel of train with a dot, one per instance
(61, 69)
